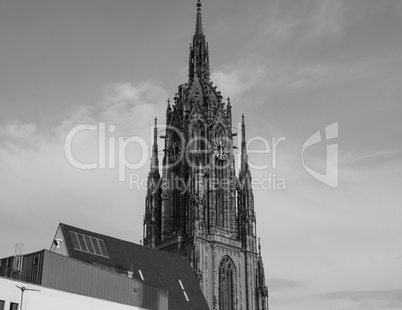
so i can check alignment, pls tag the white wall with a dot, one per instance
(62, 249)
(50, 299)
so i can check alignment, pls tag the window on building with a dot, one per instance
(142, 277)
(184, 291)
(13, 306)
(89, 244)
(227, 284)
(2, 302)
(220, 212)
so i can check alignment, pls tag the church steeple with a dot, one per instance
(198, 26)
(197, 207)
(152, 213)
(154, 158)
(244, 157)
(246, 198)
(199, 54)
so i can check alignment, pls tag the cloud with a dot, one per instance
(283, 285)
(379, 156)
(250, 79)
(304, 20)
(327, 17)
(236, 80)
(16, 135)
(40, 185)
(367, 300)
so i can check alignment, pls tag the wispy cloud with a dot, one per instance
(277, 284)
(304, 20)
(38, 183)
(384, 156)
(368, 300)
(327, 17)
(244, 77)
(237, 80)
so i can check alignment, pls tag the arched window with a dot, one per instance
(227, 284)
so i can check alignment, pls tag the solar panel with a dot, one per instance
(103, 247)
(82, 242)
(89, 244)
(74, 239)
(96, 246)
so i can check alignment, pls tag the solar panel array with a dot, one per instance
(89, 244)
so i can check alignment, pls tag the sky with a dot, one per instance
(293, 67)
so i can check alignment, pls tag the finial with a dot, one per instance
(156, 121)
(168, 108)
(229, 106)
(259, 247)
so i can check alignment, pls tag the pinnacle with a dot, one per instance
(198, 27)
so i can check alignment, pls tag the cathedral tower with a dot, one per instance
(198, 207)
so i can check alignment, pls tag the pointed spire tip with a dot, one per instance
(198, 27)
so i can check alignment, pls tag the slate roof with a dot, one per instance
(158, 268)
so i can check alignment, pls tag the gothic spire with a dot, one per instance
(246, 197)
(199, 55)
(198, 26)
(244, 157)
(154, 158)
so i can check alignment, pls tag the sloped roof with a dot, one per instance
(158, 268)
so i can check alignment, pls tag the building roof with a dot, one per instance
(155, 267)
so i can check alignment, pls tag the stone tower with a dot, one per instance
(196, 206)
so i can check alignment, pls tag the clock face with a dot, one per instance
(220, 150)
(174, 151)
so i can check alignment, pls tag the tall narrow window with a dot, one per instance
(2, 302)
(176, 208)
(198, 144)
(220, 152)
(219, 208)
(175, 155)
(227, 284)
(220, 193)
